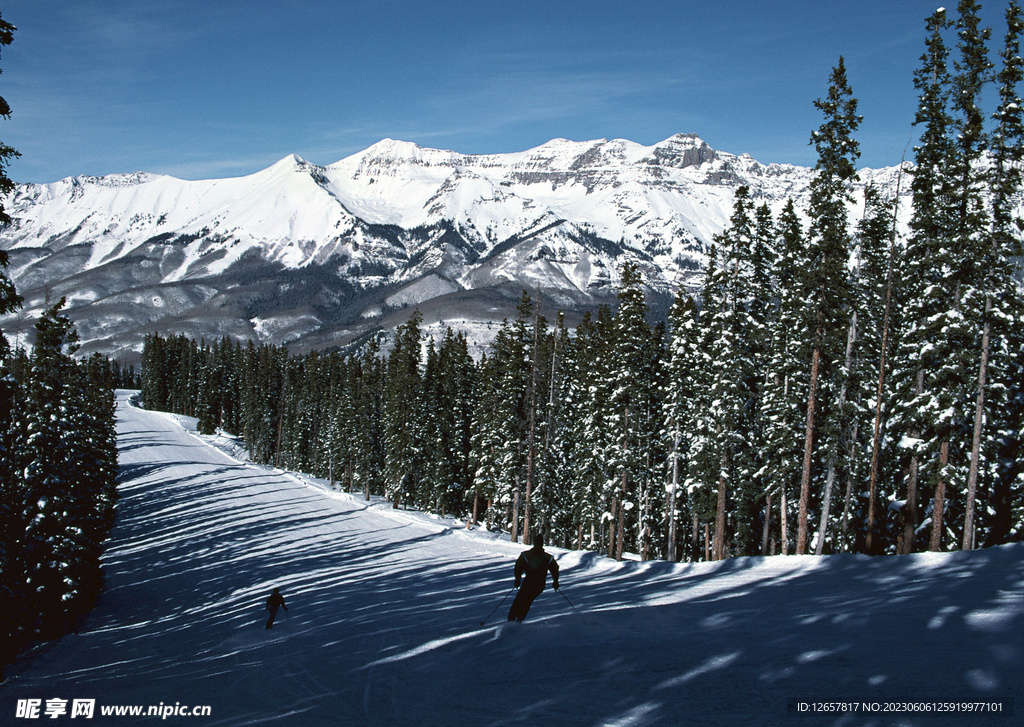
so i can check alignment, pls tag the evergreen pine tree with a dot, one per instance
(996, 412)
(949, 380)
(923, 276)
(680, 391)
(629, 415)
(828, 285)
(876, 289)
(402, 412)
(781, 405)
(68, 493)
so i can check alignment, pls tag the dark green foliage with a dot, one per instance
(58, 468)
(403, 410)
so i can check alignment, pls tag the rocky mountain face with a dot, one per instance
(315, 257)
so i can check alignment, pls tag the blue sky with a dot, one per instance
(216, 88)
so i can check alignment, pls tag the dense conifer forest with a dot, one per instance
(832, 387)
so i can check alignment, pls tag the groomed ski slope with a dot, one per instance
(385, 606)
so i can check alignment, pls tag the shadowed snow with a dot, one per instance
(383, 626)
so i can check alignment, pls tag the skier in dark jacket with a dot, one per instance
(275, 602)
(534, 564)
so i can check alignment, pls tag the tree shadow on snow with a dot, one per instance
(383, 625)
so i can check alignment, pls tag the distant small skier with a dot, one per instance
(275, 602)
(534, 564)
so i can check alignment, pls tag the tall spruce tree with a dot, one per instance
(555, 503)
(704, 466)
(680, 390)
(781, 404)
(69, 489)
(923, 295)
(629, 416)
(735, 338)
(999, 342)
(876, 291)
(403, 413)
(950, 379)
(828, 237)
(590, 428)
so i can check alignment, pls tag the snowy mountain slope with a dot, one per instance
(319, 255)
(385, 606)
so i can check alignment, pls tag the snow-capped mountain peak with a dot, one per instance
(319, 255)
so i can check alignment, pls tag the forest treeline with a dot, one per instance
(833, 387)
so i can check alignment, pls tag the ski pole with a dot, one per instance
(498, 606)
(569, 602)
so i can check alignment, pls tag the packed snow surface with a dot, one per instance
(383, 626)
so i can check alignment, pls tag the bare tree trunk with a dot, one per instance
(979, 415)
(668, 505)
(784, 527)
(476, 506)
(611, 528)
(695, 539)
(672, 500)
(719, 552)
(767, 523)
(645, 538)
(280, 431)
(910, 509)
(848, 497)
(531, 442)
(515, 513)
(805, 480)
(939, 506)
(622, 518)
(707, 542)
(826, 504)
(783, 508)
(529, 492)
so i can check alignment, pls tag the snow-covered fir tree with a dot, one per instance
(827, 279)
(403, 414)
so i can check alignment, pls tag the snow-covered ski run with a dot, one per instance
(385, 606)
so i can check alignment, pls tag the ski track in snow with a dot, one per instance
(385, 606)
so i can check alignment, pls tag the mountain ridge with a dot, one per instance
(316, 256)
